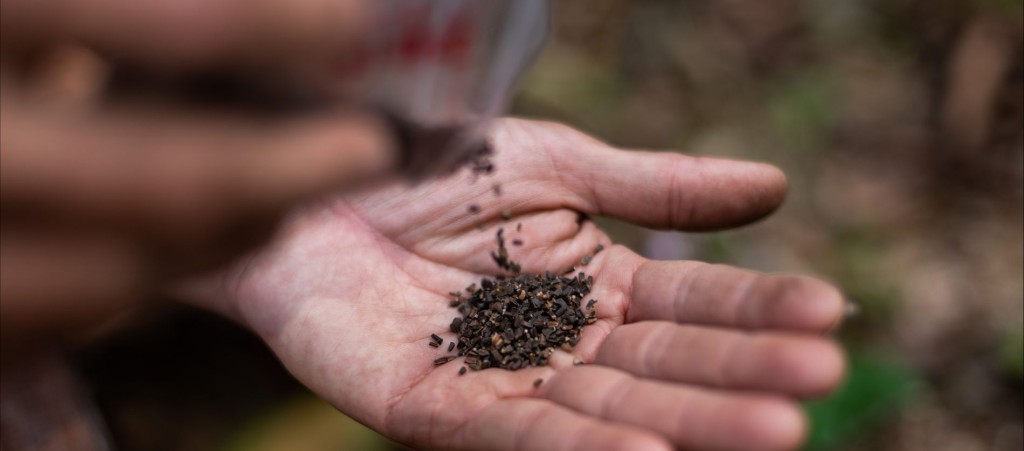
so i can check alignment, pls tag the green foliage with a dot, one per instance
(719, 248)
(1011, 355)
(802, 109)
(1007, 7)
(874, 389)
(860, 276)
(305, 423)
(568, 84)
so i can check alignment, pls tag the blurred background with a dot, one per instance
(899, 124)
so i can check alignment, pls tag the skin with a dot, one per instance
(684, 354)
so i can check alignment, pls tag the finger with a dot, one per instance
(719, 295)
(532, 424)
(190, 33)
(661, 189)
(791, 364)
(669, 190)
(181, 177)
(690, 417)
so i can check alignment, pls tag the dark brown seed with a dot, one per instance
(473, 209)
(586, 260)
(506, 214)
(433, 344)
(436, 339)
(462, 371)
(517, 242)
(537, 383)
(456, 325)
(599, 248)
(443, 360)
(451, 346)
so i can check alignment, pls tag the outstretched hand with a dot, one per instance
(684, 354)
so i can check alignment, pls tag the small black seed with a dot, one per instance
(537, 383)
(473, 208)
(433, 344)
(436, 339)
(506, 214)
(599, 248)
(443, 360)
(517, 242)
(586, 260)
(462, 371)
(451, 346)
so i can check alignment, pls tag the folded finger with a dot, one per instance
(179, 176)
(690, 417)
(720, 295)
(791, 364)
(533, 424)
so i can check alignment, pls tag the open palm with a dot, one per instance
(683, 354)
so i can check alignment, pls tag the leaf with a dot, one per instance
(874, 390)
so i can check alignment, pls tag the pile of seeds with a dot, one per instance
(515, 322)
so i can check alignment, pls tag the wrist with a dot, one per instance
(216, 292)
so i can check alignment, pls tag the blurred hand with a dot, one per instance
(105, 198)
(683, 354)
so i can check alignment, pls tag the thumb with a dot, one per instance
(664, 190)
